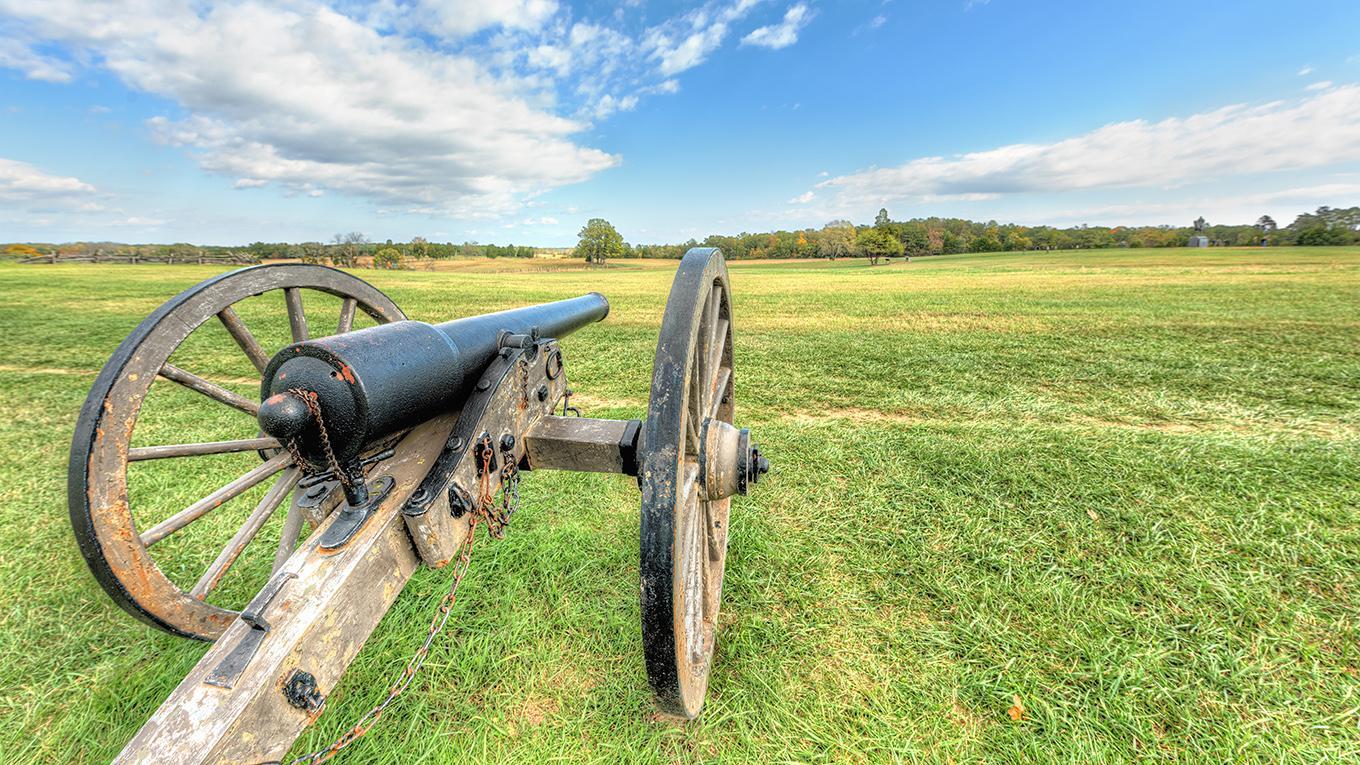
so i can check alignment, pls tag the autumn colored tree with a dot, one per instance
(836, 240)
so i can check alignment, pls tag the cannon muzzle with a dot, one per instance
(375, 381)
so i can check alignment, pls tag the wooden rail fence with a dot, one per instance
(236, 259)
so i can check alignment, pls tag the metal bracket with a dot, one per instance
(628, 447)
(229, 670)
(484, 451)
(460, 502)
(351, 519)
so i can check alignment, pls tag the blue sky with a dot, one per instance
(516, 120)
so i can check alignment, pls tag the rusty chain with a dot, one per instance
(496, 516)
(309, 399)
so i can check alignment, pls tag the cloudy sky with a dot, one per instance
(516, 120)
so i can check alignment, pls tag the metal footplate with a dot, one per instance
(229, 670)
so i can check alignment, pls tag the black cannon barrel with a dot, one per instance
(475, 336)
(375, 381)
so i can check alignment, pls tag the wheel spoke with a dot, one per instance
(714, 314)
(211, 502)
(692, 423)
(695, 570)
(292, 527)
(701, 350)
(193, 450)
(297, 319)
(211, 390)
(719, 392)
(690, 484)
(241, 334)
(268, 504)
(719, 344)
(347, 307)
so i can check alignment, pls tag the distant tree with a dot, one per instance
(914, 237)
(311, 252)
(952, 244)
(877, 244)
(882, 220)
(1326, 226)
(836, 240)
(1266, 224)
(935, 241)
(387, 258)
(985, 243)
(599, 241)
(420, 247)
(347, 248)
(1320, 235)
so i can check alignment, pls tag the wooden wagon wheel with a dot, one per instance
(684, 535)
(106, 528)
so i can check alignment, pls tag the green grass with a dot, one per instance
(1121, 485)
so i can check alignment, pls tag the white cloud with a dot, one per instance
(305, 97)
(783, 34)
(686, 42)
(550, 57)
(23, 185)
(1323, 85)
(544, 221)
(608, 104)
(878, 21)
(666, 86)
(1232, 208)
(30, 197)
(16, 54)
(804, 198)
(459, 18)
(691, 51)
(1317, 131)
(1305, 71)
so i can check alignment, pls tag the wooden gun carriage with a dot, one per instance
(392, 444)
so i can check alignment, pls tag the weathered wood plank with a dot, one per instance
(580, 443)
(318, 623)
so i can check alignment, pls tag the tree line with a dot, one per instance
(884, 238)
(348, 250)
(945, 236)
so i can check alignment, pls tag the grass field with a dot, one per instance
(1121, 486)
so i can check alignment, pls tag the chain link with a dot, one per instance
(309, 399)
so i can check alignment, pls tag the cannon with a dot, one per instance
(386, 448)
